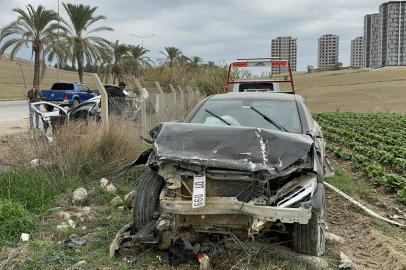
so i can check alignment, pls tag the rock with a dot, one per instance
(128, 200)
(63, 227)
(91, 218)
(86, 210)
(121, 208)
(346, 263)
(79, 265)
(4, 140)
(116, 201)
(79, 196)
(103, 182)
(72, 223)
(84, 228)
(333, 238)
(110, 188)
(63, 215)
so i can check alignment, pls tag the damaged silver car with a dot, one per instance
(241, 163)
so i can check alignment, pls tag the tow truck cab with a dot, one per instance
(259, 84)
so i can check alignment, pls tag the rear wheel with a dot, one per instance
(146, 198)
(309, 238)
(74, 104)
(49, 108)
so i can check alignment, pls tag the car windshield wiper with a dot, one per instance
(270, 120)
(218, 117)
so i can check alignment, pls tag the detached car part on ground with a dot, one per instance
(241, 163)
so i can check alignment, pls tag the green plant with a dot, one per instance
(14, 220)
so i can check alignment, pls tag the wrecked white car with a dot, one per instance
(241, 163)
(88, 110)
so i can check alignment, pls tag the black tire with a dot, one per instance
(309, 238)
(49, 108)
(74, 104)
(146, 198)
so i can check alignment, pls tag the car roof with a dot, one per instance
(254, 95)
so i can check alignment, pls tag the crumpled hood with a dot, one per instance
(228, 147)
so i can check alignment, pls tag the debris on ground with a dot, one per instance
(75, 241)
(179, 250)
(35, 162)
(346, 263)
(204, 261)
(25, 237)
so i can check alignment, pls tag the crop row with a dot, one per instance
(375, 172)
(378, 125)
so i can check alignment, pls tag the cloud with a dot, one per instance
(224, 30)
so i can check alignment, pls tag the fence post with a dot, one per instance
(173, 95)
(161, 100)
(182, 99)
(103, 101)
(143, 108)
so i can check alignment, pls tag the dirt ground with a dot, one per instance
(368, 246)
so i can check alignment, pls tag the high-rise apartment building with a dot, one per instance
(372, 51)
(393, 33)
(357, 54)
(285, 47)
(327, 55)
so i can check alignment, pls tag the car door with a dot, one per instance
(82, 111)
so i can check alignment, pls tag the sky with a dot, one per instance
(220, 30)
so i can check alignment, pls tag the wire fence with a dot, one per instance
(150, 104)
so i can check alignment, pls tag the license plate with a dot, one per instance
(199, 190)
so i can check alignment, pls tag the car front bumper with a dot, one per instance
(230, 205)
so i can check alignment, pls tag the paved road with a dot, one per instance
(14, 110)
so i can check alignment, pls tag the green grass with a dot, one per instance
(349, 185)
(36, 190)
(14, 220)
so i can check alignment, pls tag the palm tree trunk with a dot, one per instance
(37, 67)
(79, 59)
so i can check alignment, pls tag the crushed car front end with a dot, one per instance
(258, 181)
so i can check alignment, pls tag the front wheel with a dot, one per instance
(309, 238)
(146, 198)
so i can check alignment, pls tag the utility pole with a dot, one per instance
(142, 38)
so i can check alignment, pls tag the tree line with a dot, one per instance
(74, 40)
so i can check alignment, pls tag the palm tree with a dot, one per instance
(172, 55)
(118, 67)
(81, 44)
(195, 61)
(36, 28)
(138, 59)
